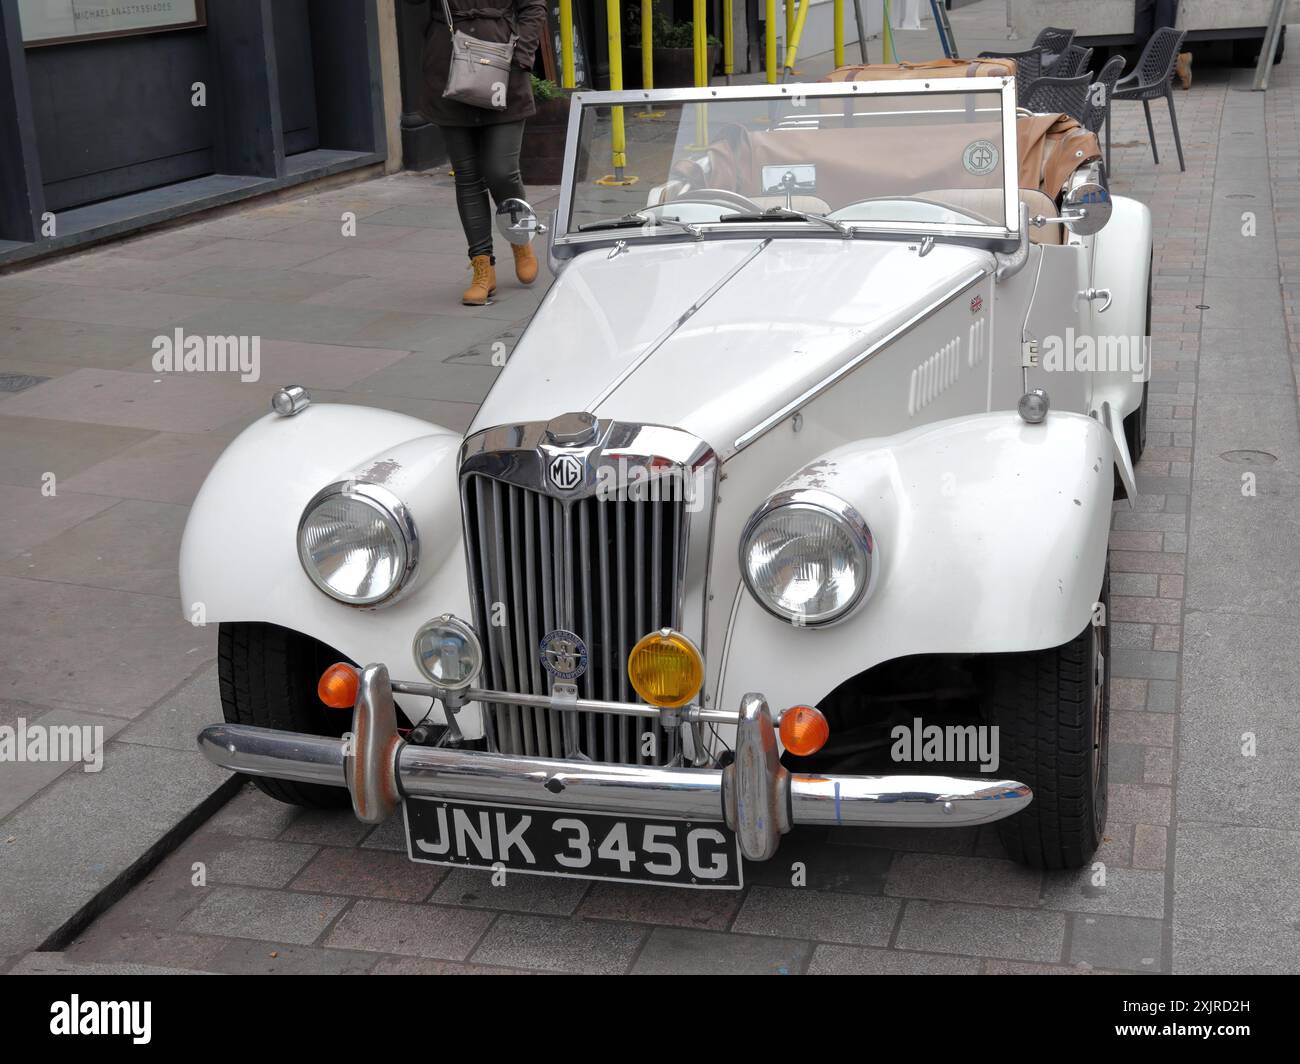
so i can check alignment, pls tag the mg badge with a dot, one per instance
(566, 471)
(564, 654)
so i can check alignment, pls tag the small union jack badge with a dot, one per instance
(976, 304)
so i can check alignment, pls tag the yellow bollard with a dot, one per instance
(838, 17)
(618, 133)
(567, 76)
(728, 39)
(887, 40)
(647, 44)
(789, 6)
(700, 28)
(771, 42)
(793, 49)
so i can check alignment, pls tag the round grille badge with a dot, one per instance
(980, 157)
(564, 654)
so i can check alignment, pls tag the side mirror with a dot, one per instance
(517, 222)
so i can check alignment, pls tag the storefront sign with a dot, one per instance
(59, 21)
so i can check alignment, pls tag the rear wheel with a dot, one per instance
(1052, 711)
(268, 678)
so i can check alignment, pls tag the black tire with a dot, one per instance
(1053, 732)
(268, 678)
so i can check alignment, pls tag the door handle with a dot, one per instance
(1093, 294)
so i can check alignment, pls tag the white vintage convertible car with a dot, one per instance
(793, 495)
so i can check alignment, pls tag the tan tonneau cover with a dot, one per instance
(930, 69)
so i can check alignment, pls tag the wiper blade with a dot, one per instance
(788, 214)
(638, 221)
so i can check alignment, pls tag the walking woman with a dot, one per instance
(483, 142)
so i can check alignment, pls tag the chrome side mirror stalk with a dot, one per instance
(1012, 264)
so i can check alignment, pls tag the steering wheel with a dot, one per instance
(717, 197)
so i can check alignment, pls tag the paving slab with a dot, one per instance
(241, 912)
(170, 402)
(1239, 736)
(138, 654)
(132, 547)
(72, 840)
(823, 916)
(418, 930)
(675, 951)
(30, 517)
(35, 446)
(1237, 909)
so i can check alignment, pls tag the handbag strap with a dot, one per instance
(446, 10)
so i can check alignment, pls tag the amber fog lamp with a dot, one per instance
(804, 730)
(338, 686)
(666, 669)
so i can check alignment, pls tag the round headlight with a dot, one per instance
(807, 557)
(448, 652)
(357, 543)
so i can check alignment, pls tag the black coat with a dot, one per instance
(488, 20)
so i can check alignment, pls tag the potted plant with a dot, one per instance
(674, 50)
(541, 160)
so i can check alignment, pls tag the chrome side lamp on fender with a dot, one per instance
(1085, 204)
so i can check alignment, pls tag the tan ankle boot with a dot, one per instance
(484, 284)
(1183, 69)
(525, 263)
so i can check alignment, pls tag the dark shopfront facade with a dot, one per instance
(118, 114)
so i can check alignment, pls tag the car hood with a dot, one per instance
(713, 336)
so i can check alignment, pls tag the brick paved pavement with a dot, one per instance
(289, 890)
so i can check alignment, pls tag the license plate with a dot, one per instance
(579, 845)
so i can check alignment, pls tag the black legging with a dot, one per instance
(485, 158)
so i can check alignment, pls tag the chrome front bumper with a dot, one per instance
(755, 795)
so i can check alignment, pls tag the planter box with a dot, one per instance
(541, 159)
(674, 67)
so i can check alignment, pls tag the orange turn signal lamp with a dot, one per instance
(338, 686)
(804, 730)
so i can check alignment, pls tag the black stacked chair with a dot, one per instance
(1051, 95)
(1053, 39)
(1098, 110)
(1150, 80)
(1029, 68)
(1071, 63)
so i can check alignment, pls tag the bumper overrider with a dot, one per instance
(754, 795)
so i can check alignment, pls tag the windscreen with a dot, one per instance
(895, 160)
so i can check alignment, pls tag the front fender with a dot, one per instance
(991, 538)
(239, 559)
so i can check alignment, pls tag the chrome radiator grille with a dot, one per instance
(610, 570)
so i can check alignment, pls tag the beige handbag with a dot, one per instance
(479, 74)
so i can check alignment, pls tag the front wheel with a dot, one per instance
(268, 677)
(1052, 711)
